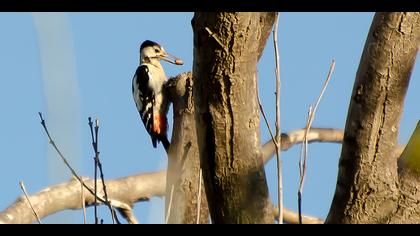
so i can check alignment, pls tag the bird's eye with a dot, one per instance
(156, 50)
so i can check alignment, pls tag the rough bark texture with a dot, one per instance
(183, 161)
(408, 210)
(409, 174)
(367, 186)
(226, 51)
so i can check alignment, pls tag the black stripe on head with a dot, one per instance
(148, 43)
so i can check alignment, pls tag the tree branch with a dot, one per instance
(22, 186)
(122, 193)
(278, 127)
(292, 138)
(292, 217)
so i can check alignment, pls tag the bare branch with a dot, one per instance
(322, 135)
(22, 186)
(199, 197)
(304, 152)
(73, 172)
(129, 215)
(123, 193)
(302, 163)
(168, 213)
(266, 121)
(292, 217)
(131, 189)
(278, 129)
(294, 137)
(82, 189)
(57, 149)
(98, 164)
(216, 38)
(95, 175)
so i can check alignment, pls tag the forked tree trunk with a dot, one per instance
(367, 188)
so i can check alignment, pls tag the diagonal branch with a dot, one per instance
(304, 150)
(72, 170)
(22, 186)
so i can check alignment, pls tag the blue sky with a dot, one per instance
(74, 65)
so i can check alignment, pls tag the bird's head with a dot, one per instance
(151, 52)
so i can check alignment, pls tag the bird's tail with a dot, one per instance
(165, 143)
(160, 127)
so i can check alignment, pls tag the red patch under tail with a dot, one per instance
(160, 124)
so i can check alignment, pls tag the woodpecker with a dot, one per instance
(147, 88)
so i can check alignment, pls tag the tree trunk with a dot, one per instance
(183, 163)
(367, 188)
(227, 47)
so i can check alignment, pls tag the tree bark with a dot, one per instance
(183, 161)
(367, 187)
(227, 47)
(409, 174)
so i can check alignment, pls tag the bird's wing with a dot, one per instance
(143, 97)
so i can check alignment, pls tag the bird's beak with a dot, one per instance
(172, 59)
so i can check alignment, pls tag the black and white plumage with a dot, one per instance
(148, 93)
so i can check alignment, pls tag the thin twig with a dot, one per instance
(324, 87)
(304, 150)
(199, 196)
(73, 172)
(51, 141)
(22, 186)
(278, 128)
(168, 212)
(95, 174)
(83, 203)
(216, 38)
(98, 164)
(302, 164)
(58, 151)
(265, 118)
